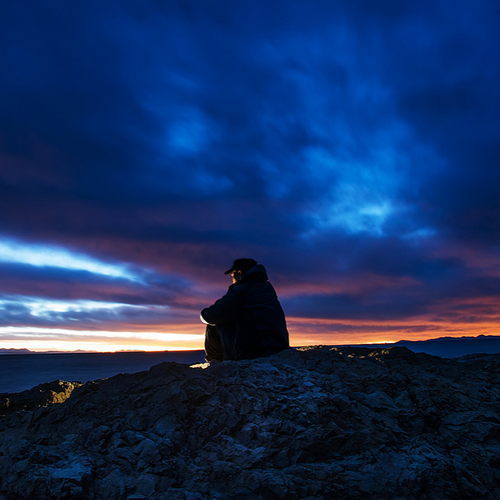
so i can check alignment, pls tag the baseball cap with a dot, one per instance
(243, 265)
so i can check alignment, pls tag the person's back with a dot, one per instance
(248, 321)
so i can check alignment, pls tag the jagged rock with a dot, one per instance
(41, 395)
(319, 422)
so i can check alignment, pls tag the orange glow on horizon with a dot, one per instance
(303, 332)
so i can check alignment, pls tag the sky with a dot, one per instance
(352, 148)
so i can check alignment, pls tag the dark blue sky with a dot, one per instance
(351, 147)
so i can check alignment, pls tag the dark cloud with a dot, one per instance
(340, 145)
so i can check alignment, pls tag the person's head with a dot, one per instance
(240, 267)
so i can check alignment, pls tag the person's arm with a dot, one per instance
(226, 307)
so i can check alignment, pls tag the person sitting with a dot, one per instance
(248, 322)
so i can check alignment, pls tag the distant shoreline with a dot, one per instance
(447, 347)
(21, 352)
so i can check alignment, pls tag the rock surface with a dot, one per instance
(41, 395)
(320, 422)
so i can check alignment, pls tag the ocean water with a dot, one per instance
(19, 372)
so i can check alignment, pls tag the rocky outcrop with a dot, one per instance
(339, 423)
(41, 395)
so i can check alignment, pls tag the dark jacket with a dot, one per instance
(249, 318)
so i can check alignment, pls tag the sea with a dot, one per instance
(20, 372)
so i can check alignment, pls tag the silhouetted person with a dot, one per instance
(247, 322)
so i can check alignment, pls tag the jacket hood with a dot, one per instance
(256, 273)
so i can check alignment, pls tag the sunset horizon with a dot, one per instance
(109, 341)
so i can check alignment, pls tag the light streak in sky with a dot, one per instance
(39, 332)
(53, 256)
(94, 346)
(48, 339)
(43, 307)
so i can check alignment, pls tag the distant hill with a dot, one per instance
(15, 351)
(27, 351)
(454, 347)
